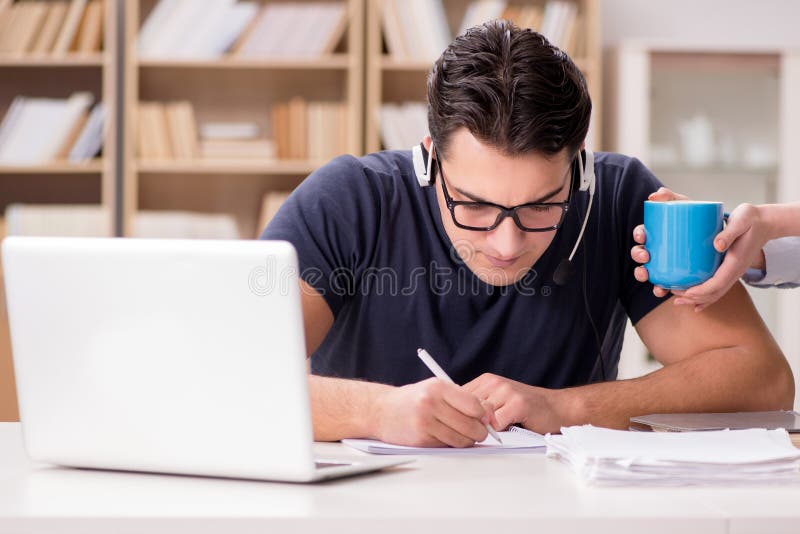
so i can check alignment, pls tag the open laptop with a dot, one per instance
(170, 356)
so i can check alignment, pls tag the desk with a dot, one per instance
(470, 494)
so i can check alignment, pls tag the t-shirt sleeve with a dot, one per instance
(331, 219)
(635, 184)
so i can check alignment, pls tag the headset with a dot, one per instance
(583, 179)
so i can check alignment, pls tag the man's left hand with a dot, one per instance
(534, 408)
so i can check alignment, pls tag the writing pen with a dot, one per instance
(439, 373)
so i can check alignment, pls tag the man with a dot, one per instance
(389, 265)
(762, 244)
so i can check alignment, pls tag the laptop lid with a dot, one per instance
(160, 355)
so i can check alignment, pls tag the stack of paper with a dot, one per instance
(514, 440)
(603, 456)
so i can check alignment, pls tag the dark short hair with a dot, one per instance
(511, 88)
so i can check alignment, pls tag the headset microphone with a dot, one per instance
(564, 270)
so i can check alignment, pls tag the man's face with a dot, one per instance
(476, 172)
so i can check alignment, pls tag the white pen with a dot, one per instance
(439, 373)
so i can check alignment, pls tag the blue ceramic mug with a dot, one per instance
(680, 240)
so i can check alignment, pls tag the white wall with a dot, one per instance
(756, 23)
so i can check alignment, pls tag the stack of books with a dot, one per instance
(403, 125)
(37, 131)
(309, 130)
(185, 225)
(167, 131)
(301, 130)
(93, 220)
(234, 140)
(558, 21)
(58, 220)
(732, 457)
(293, 30)
(415, 29)
(50, 28)
(188, 29)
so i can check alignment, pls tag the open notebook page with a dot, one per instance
(514, 440)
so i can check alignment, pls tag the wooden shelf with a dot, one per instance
(265, 167)
(393, 64)
(388, 63)
(70, 60)
(715, 170)
(60, 167)
(332, 62)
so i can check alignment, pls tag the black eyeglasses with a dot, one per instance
(486, 216)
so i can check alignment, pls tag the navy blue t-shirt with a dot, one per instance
(371, 241)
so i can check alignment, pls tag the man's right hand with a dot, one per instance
(431, 413)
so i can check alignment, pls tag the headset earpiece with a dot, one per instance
(423, 162)
(584, 178)
(586, 171)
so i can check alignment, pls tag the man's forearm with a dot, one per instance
(721, 380)
(343, 408)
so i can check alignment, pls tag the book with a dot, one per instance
(52, 25)
(403, 125)
(221, 40)
(36, 129)
(154, 25)
(229, 130)
(280, 129)
(90, 140)
(72, 135)
(337, 28)
(9, 36)
(515, 439)
(153, 132)
(294, 30)
(90, 33)
(33, 17)
(182, 130)
(69, 28)
(393, 31)
(298, 134)
(481, 11)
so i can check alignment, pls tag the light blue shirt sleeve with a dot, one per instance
(783, 265)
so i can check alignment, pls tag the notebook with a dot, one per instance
(515, 439)
(681, 422)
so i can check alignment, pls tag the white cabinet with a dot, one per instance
(715, 124)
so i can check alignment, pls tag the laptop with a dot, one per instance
(169, 356)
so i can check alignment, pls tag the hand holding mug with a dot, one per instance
(742, 239)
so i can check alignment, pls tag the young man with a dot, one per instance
(465, 268)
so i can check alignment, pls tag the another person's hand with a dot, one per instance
(432, 413)
(534, 408)
(743, 238)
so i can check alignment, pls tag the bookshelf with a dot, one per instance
(235, 87)
(393, 78)
(45, 72)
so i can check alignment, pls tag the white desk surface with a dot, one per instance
(470, 494)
